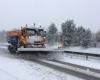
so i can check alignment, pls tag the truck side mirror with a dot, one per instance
(44, 33)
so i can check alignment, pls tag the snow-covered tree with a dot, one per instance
(80, 33)
(52, 34)
(82, 37)
(68, 29)
(86, 41)
(97, 36)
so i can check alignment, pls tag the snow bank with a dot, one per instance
(93, 63)
(85, 50)
(85, 63)
(3, 45)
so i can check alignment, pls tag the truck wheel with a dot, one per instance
(12, 49)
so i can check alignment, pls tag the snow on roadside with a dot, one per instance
(86, 50)
(92, 62)
(19, 69)
(95, 64)
(55, 46)
(3, 47)
(4, 44)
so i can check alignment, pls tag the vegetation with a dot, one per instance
(72, 35)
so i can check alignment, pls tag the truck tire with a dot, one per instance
(12, 48)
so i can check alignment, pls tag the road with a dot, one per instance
(15, 67)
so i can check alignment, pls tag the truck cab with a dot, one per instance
(36, 37)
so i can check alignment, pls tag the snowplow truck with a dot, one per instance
(26, 38)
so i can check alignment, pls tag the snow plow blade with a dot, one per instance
(38, 50)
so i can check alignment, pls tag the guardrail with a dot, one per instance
(83, 53)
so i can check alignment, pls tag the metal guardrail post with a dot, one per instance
(86, 57)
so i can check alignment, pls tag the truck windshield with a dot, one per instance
(31, 32)
(35, 32)
(40, 32)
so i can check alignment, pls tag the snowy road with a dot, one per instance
(17, 68)
(12, 68)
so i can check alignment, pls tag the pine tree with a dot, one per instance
(80, 33)
(97, 36)
(52, 34)
(68, 29)
(86, 41)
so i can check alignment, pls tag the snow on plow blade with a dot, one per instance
(39, 50)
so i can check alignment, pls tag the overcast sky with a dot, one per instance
(14, 13)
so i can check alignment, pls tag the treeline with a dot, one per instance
(72, 36)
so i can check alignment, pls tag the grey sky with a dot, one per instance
(14, 13)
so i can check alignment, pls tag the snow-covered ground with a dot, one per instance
(81, 62)
(92, 62)
(85, 50)
(12, 68)
(3, 45)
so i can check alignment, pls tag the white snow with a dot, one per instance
(92, 62)
(85, 50)
(55, 46)
(3, 45)
(12, 68)
(19, 69)
(85, 63)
